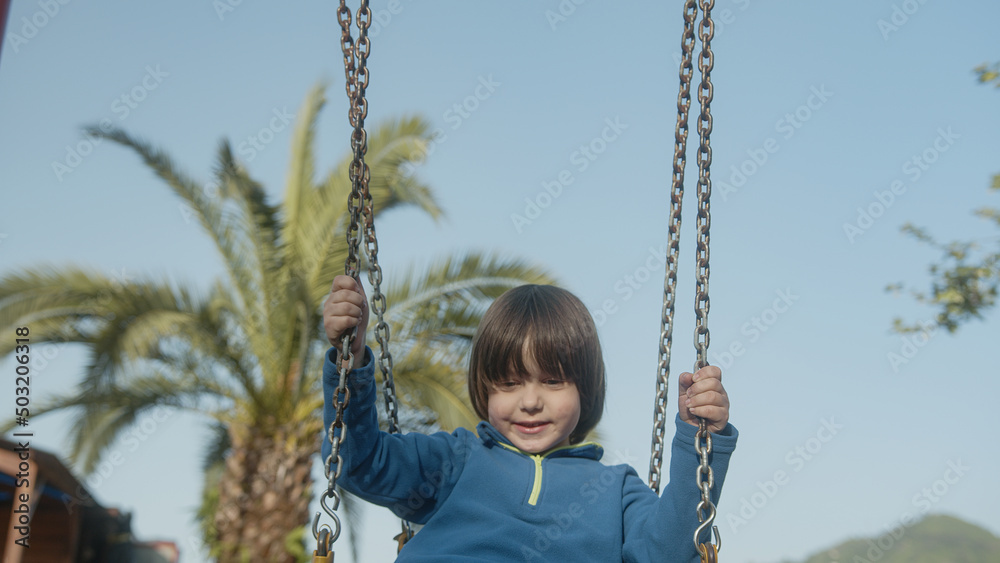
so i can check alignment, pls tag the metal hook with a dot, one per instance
(331, 512)
(317, 528)
(705, 523)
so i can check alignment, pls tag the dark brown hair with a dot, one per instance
(561, 337)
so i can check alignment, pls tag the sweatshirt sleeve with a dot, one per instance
(411, 474)
(662, 529)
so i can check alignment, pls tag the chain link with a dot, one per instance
(673, 244)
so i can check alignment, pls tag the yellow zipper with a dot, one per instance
(536, 487)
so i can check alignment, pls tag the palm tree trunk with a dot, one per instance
(264, 494)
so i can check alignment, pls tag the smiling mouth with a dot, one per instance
(531, 427)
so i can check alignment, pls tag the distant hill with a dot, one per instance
(935, 539)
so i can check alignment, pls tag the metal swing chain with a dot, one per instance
(324, 535)
(673, 246)
(703, 441)
(703, 438)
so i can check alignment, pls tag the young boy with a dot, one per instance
(523, 487)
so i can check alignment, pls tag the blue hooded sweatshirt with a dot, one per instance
(481, 499)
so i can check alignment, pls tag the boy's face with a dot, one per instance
(536, 411)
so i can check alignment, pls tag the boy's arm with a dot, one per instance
(662, 529)
(410, 474)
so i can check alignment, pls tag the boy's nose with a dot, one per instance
(531, 400)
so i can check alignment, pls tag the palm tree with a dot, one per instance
(248, 353)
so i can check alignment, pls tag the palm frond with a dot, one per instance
(447, 300)
(256, 228)
(103, 417)
(40, 293)
(75, 305)
(324, 217)
(301, 172)
(203, 204)
(391, 148)
(218, 445)
(440, 386)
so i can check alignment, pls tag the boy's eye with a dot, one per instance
(555, 382)
(509, 384)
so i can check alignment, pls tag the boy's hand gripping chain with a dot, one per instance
(703, 439)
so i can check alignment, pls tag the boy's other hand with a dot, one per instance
(701, 395)
(345, 308)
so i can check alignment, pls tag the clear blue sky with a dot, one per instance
(865, 100)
